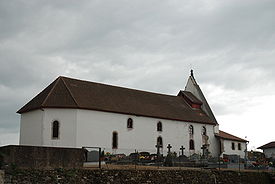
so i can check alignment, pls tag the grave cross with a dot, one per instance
(182, 150)
(204, 149)
(158, 146)
(169, 148)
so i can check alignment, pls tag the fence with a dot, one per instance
(93, 156)
(146, 159)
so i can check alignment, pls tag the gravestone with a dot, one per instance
(169, 148)
(182, 150)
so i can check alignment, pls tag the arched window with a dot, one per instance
(159, 126)
(115, 140)
(203, 130)
(55, 130)
(130, 123)
(191, 130)
(159, 142)
(191, 144)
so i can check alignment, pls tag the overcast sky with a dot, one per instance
(144, 44)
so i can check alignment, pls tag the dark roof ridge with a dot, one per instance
(55, 83)
(119, 86)
(62, 79)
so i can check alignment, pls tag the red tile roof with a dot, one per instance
(228, 136)
(268, 145)
(72, 93)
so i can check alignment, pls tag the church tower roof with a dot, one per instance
(193, 87)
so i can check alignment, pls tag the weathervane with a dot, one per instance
(192, 74)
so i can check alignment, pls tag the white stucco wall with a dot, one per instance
(31, 128)
(94, 128)
(80, 128)
(67, 128)
(227, 144)
(270, 152)
(36, 127)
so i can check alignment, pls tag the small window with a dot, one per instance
(55, 130)
(203, 130)
(233, 146)
(115, 140)
(191, 130)
(239, 146)
(130, 123)
(191, 144)
(159, 126)
(159, 142)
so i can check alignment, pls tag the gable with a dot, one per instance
(195, 89)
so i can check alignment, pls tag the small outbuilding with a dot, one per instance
(268, 149)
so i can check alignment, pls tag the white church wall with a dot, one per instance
(31, 128)
(229, 151)
(67, 127)
(94, 128)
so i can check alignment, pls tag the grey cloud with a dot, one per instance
(148, 45)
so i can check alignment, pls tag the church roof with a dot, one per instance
(73, 93)
(225, 135)
(268, 145)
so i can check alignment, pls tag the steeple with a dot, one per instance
(194, 88)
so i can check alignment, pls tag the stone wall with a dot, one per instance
(41, 157)
(1, 177)
(135, 176)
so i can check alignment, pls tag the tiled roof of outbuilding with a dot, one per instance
(73, 93)
(268, 145)
(225, 135)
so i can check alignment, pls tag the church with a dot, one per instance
(76, 113)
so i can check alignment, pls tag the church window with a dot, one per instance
(239, 146)
(233, 146)
(191, 144)
(159, 126)
(55, 130)
(203, 130)
(159, 142)
(191, 130)
(115, 140)
(130, 123)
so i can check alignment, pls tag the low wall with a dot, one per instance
(41, 157)
(135, 176)
(1, 177)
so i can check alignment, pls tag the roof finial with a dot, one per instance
(192, 74)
